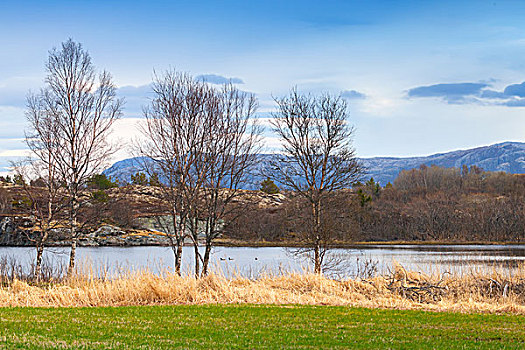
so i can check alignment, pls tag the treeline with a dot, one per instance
(425, 204)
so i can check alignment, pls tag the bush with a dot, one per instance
(139, 179)
(5, 179)
(268, 186)
(19, 180)
(22, 203)
(101, 182)
(100, 196)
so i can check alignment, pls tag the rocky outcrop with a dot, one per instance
(10, 232)
(18, 231)
(146, 225)
(108, 235)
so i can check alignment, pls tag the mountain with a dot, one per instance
(122, 170)
(506, 156)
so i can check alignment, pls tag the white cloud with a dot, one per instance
(271, 144)
(15, 153)
(123, 133)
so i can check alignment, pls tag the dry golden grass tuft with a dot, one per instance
(494, 292)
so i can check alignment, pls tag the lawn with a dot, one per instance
(254, 327)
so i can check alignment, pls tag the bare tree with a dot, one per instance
(201, 142)
(44, 192)
(317, 159)
(175, 134)
(230, 156)
(5, 201)
(44, 201)
(82, 110)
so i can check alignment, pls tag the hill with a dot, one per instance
(506, 156)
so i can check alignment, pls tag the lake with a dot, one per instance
(251, 262)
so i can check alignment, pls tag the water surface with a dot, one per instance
(251, 262)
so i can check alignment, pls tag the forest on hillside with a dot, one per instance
(425, 204)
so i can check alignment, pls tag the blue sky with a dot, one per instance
(420, 77)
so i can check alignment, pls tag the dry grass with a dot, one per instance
(473, 292)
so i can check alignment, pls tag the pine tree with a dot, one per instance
(268, 186)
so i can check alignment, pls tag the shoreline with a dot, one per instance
(265, 244)
(233, 243)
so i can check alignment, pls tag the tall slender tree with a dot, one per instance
(230, 156)
(46, 199)
(82, 108)
(201, 141)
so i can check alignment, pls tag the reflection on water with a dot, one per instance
(251, 262)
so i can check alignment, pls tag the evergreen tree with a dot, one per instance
(268, 186)
(101, 182)
(139, 179)
(154, 180)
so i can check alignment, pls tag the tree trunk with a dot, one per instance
(195, 238)
(197, 260)
(317, 256)
(178, 257)
(40, 252)
(206, 259)
(316, 212)
(38, 263)
(73, 231)
(72, 255)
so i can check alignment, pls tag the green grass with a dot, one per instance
(254, 327)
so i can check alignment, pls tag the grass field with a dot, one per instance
(254, 327)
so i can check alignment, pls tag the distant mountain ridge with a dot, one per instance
(506, 156)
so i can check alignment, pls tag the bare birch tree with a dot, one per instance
(175, 134)
(201, 142)
(44, 193)
(229, 157)
(82, 109)
(317, 159)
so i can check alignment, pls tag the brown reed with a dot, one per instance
(493, 292)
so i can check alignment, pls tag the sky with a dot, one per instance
(420, 77)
